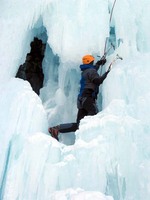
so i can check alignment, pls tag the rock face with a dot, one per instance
(31, 70)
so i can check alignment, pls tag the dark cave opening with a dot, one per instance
(31, 70)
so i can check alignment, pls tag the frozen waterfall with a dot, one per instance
(108, 157)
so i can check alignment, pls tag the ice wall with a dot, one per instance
(121, 130)
(111, 153)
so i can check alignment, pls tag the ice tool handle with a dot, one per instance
(106, 52)
(114, 60)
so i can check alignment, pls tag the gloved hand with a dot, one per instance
(102, 61)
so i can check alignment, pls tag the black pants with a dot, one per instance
(87, 107)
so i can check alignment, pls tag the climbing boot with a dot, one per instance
(54, 131)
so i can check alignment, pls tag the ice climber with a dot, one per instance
(89, 88)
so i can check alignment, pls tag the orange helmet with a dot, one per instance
(87, 59)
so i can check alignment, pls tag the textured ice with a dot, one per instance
(79, 194)
(110, 158)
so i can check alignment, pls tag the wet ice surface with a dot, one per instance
(109, 154)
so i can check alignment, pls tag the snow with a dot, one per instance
(79, 194)
(108, 157)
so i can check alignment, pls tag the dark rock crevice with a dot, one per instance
(31, 69)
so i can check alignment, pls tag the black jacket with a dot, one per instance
(90, 80)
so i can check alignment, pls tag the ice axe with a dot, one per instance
(119, 57)
(113, 61)
(106, 52)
